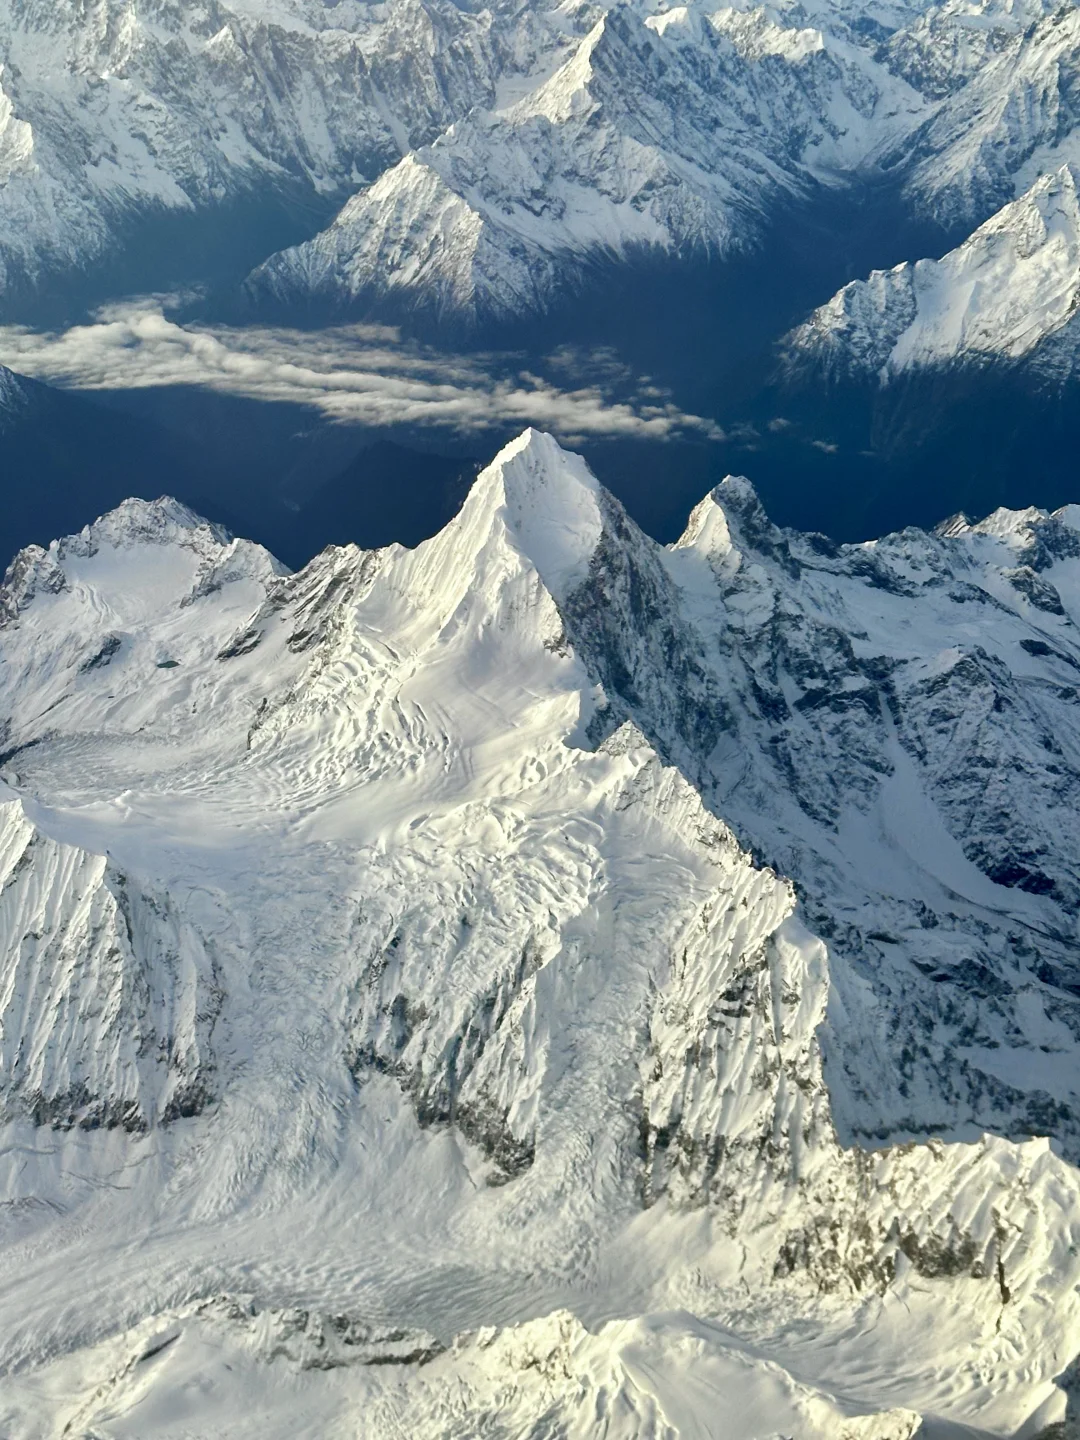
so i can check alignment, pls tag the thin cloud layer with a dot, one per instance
(363, 375)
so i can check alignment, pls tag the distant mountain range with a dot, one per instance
(494, 157)
(679, 130)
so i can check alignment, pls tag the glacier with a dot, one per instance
(542, 981)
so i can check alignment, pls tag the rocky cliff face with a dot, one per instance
(945, 46)
(404, 948)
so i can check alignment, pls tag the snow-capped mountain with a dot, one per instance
(405, 1012)
(1013, 121)
(496, 156)
(1008, 296)
(681, 130)
(115, 111)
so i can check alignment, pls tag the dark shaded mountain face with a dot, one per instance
(276, 472)
(870, 457)
(63, 458)
(387, 493)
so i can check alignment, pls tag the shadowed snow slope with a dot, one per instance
(391, 1026)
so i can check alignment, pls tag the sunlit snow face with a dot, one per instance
(356, 374)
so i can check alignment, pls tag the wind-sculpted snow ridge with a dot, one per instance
(675, 131)
(1008, 296)
(515, 1115)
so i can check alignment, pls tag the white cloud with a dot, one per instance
(358, 374)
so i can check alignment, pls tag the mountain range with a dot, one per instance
(541, 981)
(511, 207)
(667, 131)
(469, 967)
(666, 193)
(497, 156)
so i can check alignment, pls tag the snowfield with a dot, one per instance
(408, 1025)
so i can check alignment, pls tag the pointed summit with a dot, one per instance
(731, 517)
(552, 503)
(1001, 295)
(535, 503)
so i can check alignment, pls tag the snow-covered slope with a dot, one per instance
(514, 1109)
(686, 129)
(1008, 295)
(107, 996)
(1013, 121)
(113, 111)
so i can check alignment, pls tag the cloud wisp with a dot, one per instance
(357, 374)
